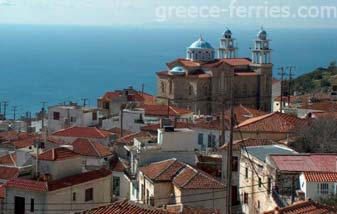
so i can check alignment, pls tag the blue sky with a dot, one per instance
(145, 13)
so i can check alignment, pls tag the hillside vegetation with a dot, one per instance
(316, 81)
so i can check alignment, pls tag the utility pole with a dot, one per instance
(5, 108)
(84, 101)
(43, 130)
(282, 73)
(290, 76)
(14, 109)
(230, 149)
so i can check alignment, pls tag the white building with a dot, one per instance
(316, 185)
(65, 116)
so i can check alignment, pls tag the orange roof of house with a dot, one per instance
(8, 173)
(117, 165)
(57, 154)
(128, 139)
(83, 132)
(320, 176)
(163, 170)
(215, 63)
(9, 159)
(213, 124)
(163, 110)
(191, 178)
(238, 61)
(181, 175)
(304, 207)
(86, 147)
(319, 115)
(273, 122)
(43, 186)
(8, 135)
(126, 207)
(133, 96)
(243, 113)
(118, 132)
(24, 142)
(293, 99)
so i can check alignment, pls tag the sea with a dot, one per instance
(57, 64)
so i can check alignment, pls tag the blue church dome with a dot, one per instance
(227, 34)
(201, 44)
(262, 34)
(178, 70)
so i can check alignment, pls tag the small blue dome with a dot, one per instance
(201, 44)
(178, 70)
(262, 34)
(227, 34)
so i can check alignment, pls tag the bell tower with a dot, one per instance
(228, 47)
(261, 53)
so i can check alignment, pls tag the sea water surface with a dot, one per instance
(66, 63)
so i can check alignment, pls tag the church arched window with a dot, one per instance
(170, 86)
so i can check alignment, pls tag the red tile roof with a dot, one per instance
(9, 159)
(78, 179)
(86, 147)
(55, 140)
(125, 207)
(8, 173)
(117, 165)
(23, 143)
(322, 115)
(238, 61)
(163, 170)
(162, 110)
(180, 174)
(43, 186)
(83, 132)
(293, 99)
(191, 178)
(304, 207)
(243, 113)
(26, 184)
(273, 122)
(305, 162)
(320, 176)
(117, 132)
(9, 135)
(57, 154)
(128, 139)
(181, 209)
(213, 124)
(132, 96)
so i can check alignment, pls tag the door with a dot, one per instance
(19, 205)
(235, 195)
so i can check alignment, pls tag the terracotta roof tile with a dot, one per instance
(86, 147)
(238, 61)
(243, 113)
(249, 142)
(117, 132)
(57, 154)
(273, 122)
(117, 165)
(163, 170)
(132, 96)
(83, 132)
(26, 184)
(162, 110)
(329, 106)
(9, 159)
(8, 173)
(78, 179)
(128, 139)
(23, 143)
(43, 186)
(125, 207)
(321, 176)
(304, 207)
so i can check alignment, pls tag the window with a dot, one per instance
(32, 204)
(106, 105)
(73, 119)
(56, 115)
(162, 86)
(324, 188)
(74, 196)
(116, 186)
(94, 116)
(201, 139)
(260, 182)
(211, 140)
(247, 172)
(235, 164)
(269, 185)
(245, 198)
(170, 87)
(152, 201)
(89, 194)
(258, 205)
(147, 196)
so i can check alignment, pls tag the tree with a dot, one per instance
(330, 201)
(317, 136)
